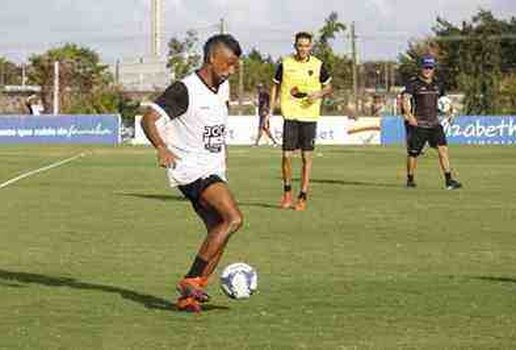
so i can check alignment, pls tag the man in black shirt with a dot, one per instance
(420, 113)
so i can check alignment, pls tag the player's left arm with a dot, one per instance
(326, 87)
(326, 90)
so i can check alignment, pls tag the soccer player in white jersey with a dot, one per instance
(186, 125)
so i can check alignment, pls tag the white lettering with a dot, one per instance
(7, 132)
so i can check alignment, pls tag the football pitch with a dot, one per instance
(91, 251)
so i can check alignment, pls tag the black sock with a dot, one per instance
(302, 195)
(287, 187)
(447, 176)
(410, 178)
(197, 268)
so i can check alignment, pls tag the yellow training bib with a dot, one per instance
(300, 78)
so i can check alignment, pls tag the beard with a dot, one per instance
(219, 79)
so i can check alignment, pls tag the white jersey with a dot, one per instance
(193, 125)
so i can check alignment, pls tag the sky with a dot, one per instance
(119, 29)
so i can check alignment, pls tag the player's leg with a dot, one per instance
(286, 170)
(267, 129)
(211, 218)
(217, 208)
(439, 141)
(306, 170)
(290, 144)
(220, 199)
(260, 131)
(411, 170)
(307, 133)
(416, 140)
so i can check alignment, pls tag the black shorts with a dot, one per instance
(417, 137)
(299, 135)
(193, 190)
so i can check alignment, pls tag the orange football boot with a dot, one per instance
(193, 288)
(286, 200)
(188, 304)
(300, 205)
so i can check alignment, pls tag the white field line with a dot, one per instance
(40, 170)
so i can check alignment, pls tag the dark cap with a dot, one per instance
(428, 62)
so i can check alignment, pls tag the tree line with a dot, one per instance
(476, 58)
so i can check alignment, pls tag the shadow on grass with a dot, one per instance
(166, 197)
(147, 300)
(259, 205)
(354, 183)
(495, 279)
(160, 197)
(348, 182)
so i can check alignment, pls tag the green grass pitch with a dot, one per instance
(91, 252)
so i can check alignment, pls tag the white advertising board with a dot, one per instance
(338, 130)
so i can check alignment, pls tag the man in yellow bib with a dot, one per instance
(301, 81)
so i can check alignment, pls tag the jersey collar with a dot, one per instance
(305, 61)
(214, 90)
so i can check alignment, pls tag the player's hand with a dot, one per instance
(166, 158)
(313, 96)
(412, 120)
(450, 116)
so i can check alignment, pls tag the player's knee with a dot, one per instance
(234, 222)
(306, 157)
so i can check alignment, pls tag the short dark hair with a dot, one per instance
(221, 39)
(303, 35)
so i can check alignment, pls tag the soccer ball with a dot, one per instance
(238, 280)
(444, 105)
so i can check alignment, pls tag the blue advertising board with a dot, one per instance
(471, 130)
(62, 129)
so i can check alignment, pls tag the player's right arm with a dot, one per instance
(274, 96)
(171, 104)
(276, 83)
(406, 101)
(165, 157)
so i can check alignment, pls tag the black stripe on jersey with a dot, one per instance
(174, 100)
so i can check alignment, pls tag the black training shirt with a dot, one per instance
(424, 100)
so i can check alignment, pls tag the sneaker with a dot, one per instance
(286, 200)
(193, 288)
(411, 184)
(453, 185)
(188, 304)
(300, 205)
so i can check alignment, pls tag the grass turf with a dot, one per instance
(92, 251)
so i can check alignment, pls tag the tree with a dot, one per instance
(508, 94)
(327, 33)
(258, 68)
(480, 64)
(183, 57)
(82, 78)
(10, 73)
(340, 66)
(472, 58)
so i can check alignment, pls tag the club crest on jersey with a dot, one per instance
(213, 137)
